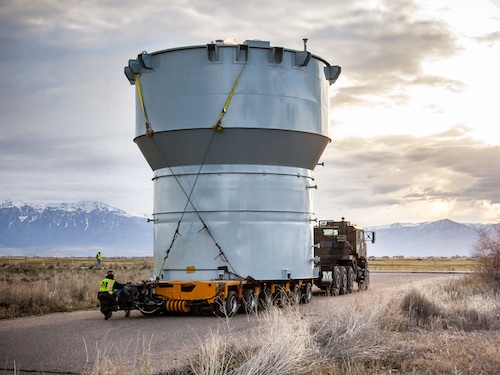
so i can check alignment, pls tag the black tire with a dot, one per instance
(108, 315)
(307, 293)
(265, 299)
(195, 309)
(343, 279)
(202, 310)
(280, 297)
(227, 307)
(365, 282)
(336, 281)
(295, 295)
(351, 278)
(248, 304)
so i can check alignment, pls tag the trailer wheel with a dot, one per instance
(295, 295)
(307, 293)
(227, 307)
(265, 299)
(350, 279)
(248, 304)
(280, 297)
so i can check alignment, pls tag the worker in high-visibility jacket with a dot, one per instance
(98, 258)
(108, 284)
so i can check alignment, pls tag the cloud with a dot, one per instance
(68, 113)
(447, 167)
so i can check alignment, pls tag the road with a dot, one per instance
(70, 343)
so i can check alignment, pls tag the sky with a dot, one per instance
(414, 116)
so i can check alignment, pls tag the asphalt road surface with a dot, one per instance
(70, 343)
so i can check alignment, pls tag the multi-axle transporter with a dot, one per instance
(232, 133)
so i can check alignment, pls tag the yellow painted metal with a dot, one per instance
(190, 269)
(149, 131)
(177, 306)
(193, 290)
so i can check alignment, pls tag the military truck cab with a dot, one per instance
(342, 252)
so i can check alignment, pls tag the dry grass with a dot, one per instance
(450, 327)
(423, 264)
(36, 286)
(109, 361)
(438, 326)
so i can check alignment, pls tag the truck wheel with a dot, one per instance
(227, 307)
(350, 279)
(367, 279)
(248, 304)
(343, 280)
(363, 284)
(336, 282)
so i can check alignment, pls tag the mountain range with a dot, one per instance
(82, 229)
(442, 238)
(72, 229)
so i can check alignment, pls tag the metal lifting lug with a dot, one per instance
(217, 127)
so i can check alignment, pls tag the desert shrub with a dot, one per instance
(284, 343)
(487, 251)
(108, 360)
(461, 304)
(470, 304)
(419, 309)
(351, 333)
(281, 344)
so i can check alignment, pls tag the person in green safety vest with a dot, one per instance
(108, 284)
(99, 259)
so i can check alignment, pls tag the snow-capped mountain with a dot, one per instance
(72, 229)
(435, 238)
(82, 229)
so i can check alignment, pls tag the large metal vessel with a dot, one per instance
(232, 133)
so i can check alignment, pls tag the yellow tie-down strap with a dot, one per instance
(149, 131)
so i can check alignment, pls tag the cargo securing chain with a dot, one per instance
(217, 128)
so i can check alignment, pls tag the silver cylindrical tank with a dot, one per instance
(232, 133)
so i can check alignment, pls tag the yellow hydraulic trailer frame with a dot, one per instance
(180, 295)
